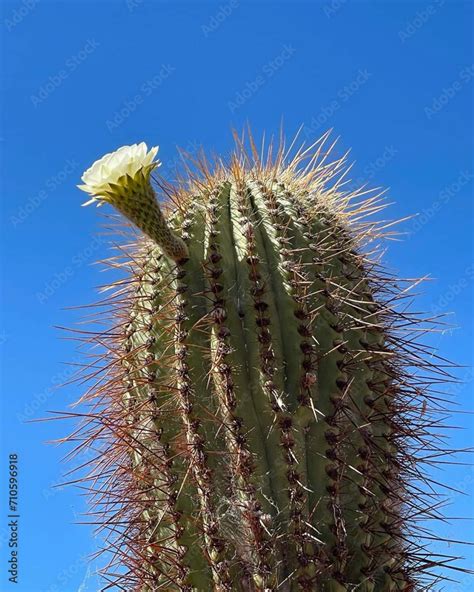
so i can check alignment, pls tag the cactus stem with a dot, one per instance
(254, 554)
(187, 367)
(262, 407)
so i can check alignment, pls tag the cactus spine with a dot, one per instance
(258, 403)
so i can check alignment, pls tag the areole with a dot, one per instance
(261, 422)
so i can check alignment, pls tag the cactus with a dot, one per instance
(261, 413)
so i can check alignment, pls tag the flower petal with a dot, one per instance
(113, 165)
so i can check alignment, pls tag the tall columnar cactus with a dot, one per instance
(263, 400)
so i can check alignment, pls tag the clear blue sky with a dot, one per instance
(394, 80)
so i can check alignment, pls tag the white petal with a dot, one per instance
(89, 202)
(113, 165)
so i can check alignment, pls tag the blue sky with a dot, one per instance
(394, 80)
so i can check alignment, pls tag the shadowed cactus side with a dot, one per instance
(263, 401)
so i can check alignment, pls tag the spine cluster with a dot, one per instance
(259, 414)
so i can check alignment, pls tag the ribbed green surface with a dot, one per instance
(255, 366)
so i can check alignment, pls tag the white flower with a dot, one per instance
(127, 160)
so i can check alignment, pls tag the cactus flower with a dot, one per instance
(113, 168)
(122, 178)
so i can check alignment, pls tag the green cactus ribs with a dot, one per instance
(263, 411)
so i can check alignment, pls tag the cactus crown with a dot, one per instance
(261, 410)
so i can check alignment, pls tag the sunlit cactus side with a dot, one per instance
(261, 403)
